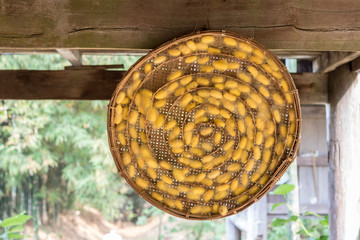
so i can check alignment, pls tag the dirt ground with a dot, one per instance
(89, 224)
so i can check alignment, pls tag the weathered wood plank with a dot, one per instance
(329, 61)
(99, 84)
(278, 24)
(355, 65)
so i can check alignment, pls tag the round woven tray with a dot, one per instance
(203, 126)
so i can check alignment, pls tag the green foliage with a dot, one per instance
(310, 228)
(12, 227)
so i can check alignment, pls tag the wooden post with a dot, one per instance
(293, 199)
(344, 165)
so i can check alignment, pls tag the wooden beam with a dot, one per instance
(92, 84)
(322, 25)
(312, 87)
(73, 56)
(307, 161)
(329, 61)
(355, 65)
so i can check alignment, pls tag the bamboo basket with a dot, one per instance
(203, 126)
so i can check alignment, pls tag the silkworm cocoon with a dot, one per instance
(206, 131)
(169, 202)
(126, 158)
(254, 72)
(251, 103)
(224, 113)
(264, 91)
(203, 60)
(160, 103)
(195, 164)
(174, 52)
(244, 156)
(190, 106)
(243, 88)
(190, 59)
(217, 138)
(262, 168)
(187, 137)
(157, 196)
(213, 174)
(222, 188)
(266, 155)
(220, 196)
(228, 145)
(194, 141)
(190, 178)
(237, 154)
(198, 99)
(133, 117)
(267, 68)
(185, 100)
(183, 188)
(269, 142)
(242, 198)
(207, 182)
(184, 160)
(221, 65)
(122, 139)
(125, 112)
(208, 195)
(259, 138)
(264, 179)
(233, 65)
(147, 68)
(219, 122)
(279, 148)
(244, 179)
(178, 205)
(196, 209)
(176, 143)
(270, 128)
(214, 101)
(140, 162)
(213, 110)
(254, 189)
(151, 173)
(219, 160)
(152, 115)
(292, 128)
(256, 97)
(191, 85)
(177, 150)
(199, 113)
(234, 185)
(170, 125)
(257, 153)
(201, 46)
(230, 41)
(191, 45)
(278, 99)
(207, 39)
(175, 75)
(120, 97)
(205, 159)
(203, 93)
(189, 127)
(234, 167)
(172, 191)
(277, 75)
(283, 131)
(165, 165)
(121, 126)
(159, 59)
(193, 196)
(141, 183)
(239, 190)
(203, 81)
(244, 77)
(131, 171)
(228, 105)
(284, 85)
(289, 141)
(216, 94)
(173, 86)
(186, 80)
(235, 91)
(272, 64)
(118, 114)
(256, 59)
(289, 98)
(200, 177)
(161, 185)
(133, 132)
(174, 133)
(207, 146)
(277, 115)
(240, 54)
(166, 179)
(229, 97)
(245, 47)
(184, 49)
(213, 50)
(223, 178)
(159, 122)
(197, 151)
(197, 190)
(223, 210)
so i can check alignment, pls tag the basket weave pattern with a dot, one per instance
(203, 126)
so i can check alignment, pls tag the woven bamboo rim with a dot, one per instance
(278, 106)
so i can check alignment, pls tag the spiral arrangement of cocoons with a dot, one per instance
(203, 126)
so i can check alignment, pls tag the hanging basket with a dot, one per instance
(205, 125)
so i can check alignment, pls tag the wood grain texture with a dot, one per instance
(329, 61)
(278, 24)
(99, 84)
